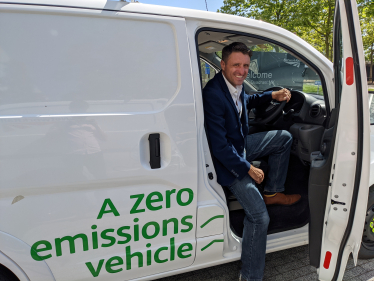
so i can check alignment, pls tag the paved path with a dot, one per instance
(287, 265)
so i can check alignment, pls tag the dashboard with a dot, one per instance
(303, 108)
(303, 116)
(307, 108)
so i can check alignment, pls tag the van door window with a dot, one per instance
(273, 66)
(338, 59)
(207, 72)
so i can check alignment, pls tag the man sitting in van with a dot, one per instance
(225, 110)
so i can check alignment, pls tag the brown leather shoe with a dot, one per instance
(282, 199)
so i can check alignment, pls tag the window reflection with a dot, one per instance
(207, 72)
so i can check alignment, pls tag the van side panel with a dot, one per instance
(81, 91)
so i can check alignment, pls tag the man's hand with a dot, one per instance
(281, 95)
(256, 174)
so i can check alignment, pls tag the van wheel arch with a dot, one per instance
(15, 256)
(367, 244)
(6, 274)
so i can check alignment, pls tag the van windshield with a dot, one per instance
(271, 66)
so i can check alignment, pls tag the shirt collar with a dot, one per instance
(234, 91)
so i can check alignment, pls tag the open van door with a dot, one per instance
(346, 192)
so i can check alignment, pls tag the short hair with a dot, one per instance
(235, 47)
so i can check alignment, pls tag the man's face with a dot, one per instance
(236, 68)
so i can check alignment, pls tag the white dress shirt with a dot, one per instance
(235, 94)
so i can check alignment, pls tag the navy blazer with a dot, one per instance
(226, 130)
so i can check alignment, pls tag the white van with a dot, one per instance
(106, 172)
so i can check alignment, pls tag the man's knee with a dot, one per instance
(265, 219)
(286, 137)
(261, 218)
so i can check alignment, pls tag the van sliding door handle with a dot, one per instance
(154, 151)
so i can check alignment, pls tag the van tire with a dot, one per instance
(367, 247)
(6, 274)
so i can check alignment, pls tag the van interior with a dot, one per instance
(304, 116)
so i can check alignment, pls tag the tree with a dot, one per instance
(317, 27)
(368, 42)
(366, 10)
(311, 20)
(282, 12)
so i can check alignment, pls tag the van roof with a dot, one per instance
(128, 7)
(168, 11)
(140, 8)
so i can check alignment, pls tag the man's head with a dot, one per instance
(235, 62)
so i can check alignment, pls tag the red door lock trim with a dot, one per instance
(328, 256)
(349, 71)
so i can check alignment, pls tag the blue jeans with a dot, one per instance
(276, 144)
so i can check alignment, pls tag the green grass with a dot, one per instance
(312, 89)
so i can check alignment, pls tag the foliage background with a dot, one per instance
(312, 20)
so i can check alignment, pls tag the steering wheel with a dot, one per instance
(265, 114)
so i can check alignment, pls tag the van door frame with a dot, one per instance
(292, 51)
